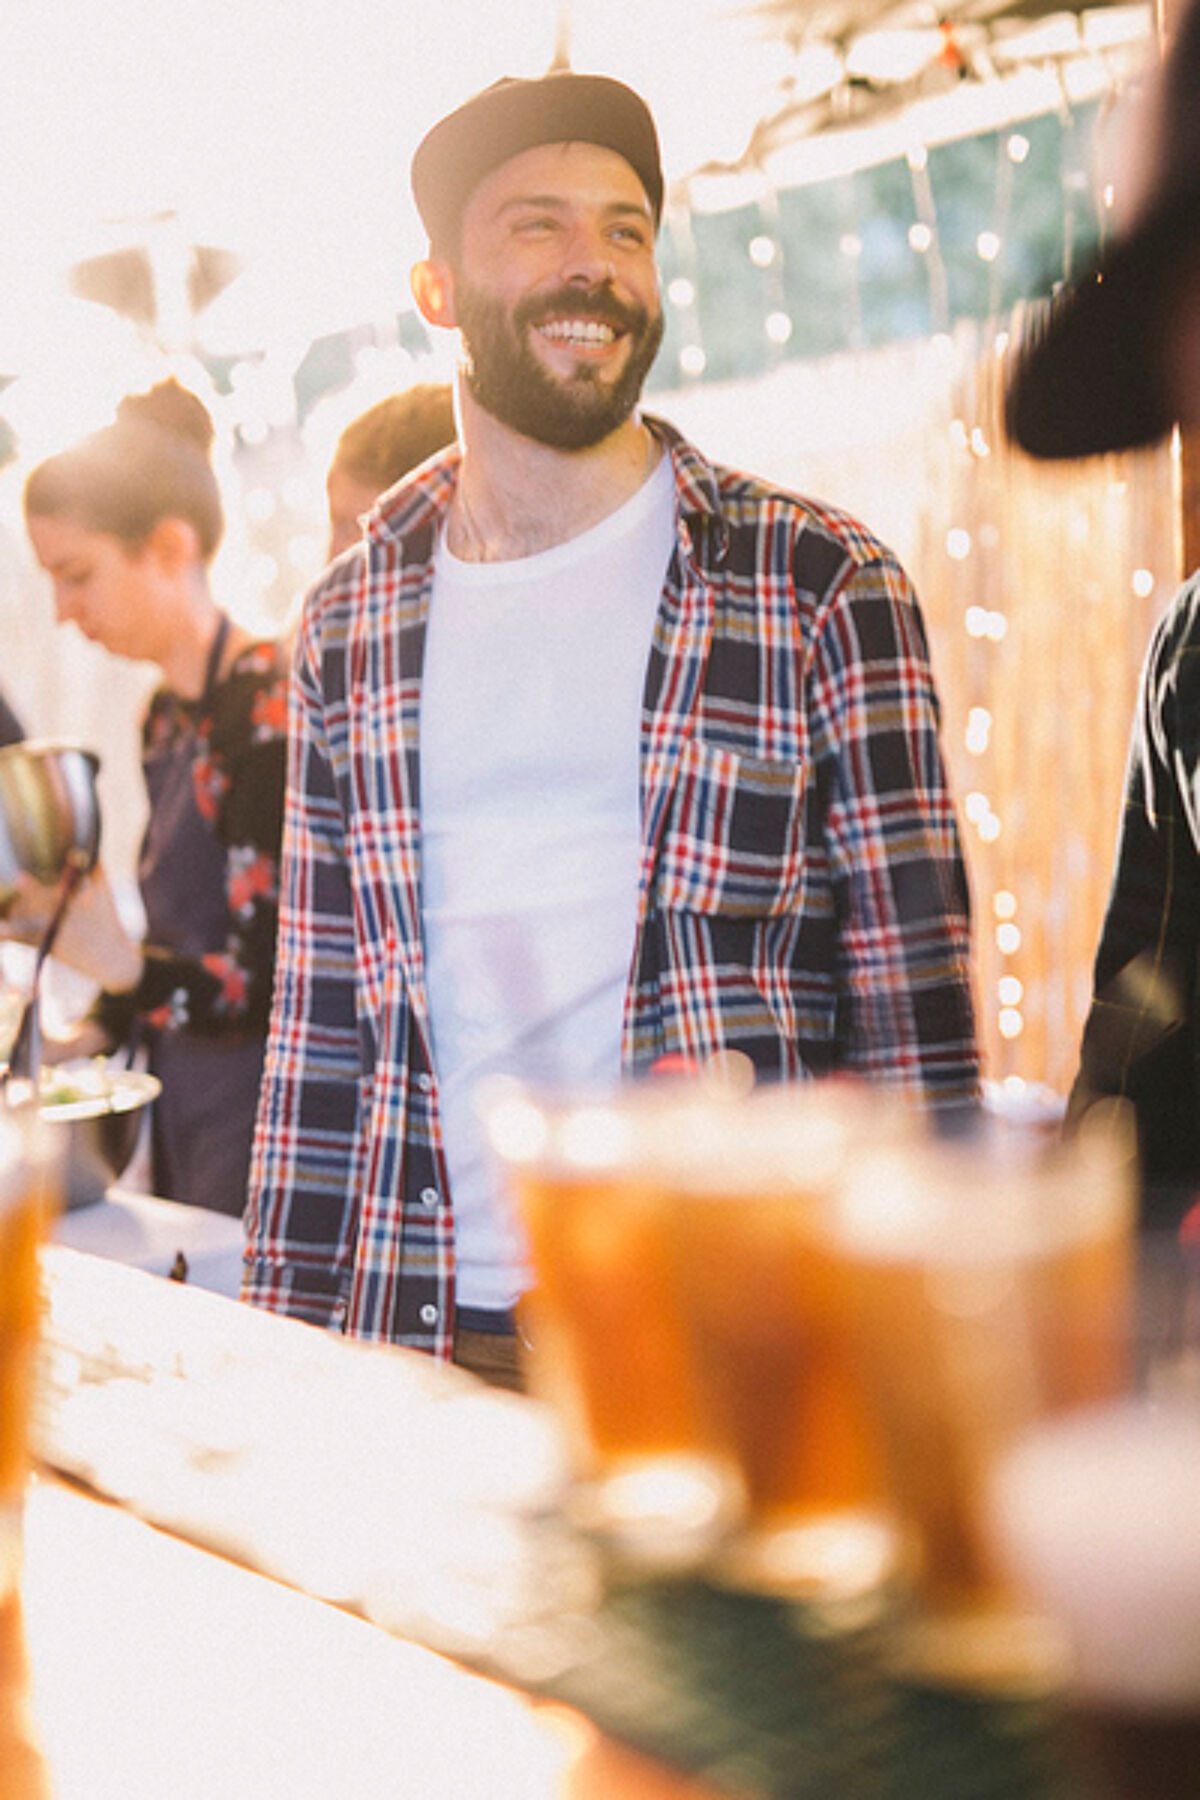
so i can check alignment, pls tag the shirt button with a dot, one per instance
(429, 1196)
(424, 1083)
(429, 1315)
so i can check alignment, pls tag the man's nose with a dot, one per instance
(588, 258)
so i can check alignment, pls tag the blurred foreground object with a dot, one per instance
(370, 1476)
(23, 1771)
(1096, 1518)
(788, 1332)
(29, 1195)
(994, 1285)
(691, 1321)
(768, 1306)
(606, 1338)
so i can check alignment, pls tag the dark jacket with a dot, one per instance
(1141, 1039)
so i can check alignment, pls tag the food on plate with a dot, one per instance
(72, 1089)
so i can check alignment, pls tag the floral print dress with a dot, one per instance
(208, 874)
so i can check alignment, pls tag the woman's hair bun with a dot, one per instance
(154, 462)
(173, 408)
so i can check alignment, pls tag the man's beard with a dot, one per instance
(508, 381)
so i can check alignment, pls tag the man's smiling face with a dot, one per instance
(556, 293)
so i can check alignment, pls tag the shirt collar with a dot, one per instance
(697, 487)
(424, 498)
(421, 498)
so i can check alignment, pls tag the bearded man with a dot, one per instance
(600, 754)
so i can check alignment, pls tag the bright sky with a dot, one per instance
(289, 130)
(285, 134)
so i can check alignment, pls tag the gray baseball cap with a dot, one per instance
(515, 115)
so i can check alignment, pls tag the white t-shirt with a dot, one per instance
(530, 721)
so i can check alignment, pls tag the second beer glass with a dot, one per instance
(768, 1307)
(994, 1279)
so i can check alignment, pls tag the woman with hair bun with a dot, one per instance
(126, 524)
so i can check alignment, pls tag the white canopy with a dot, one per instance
(283, 136)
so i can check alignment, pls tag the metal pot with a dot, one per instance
(49, 811)
(101, 1132)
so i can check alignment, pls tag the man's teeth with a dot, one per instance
(579, 331)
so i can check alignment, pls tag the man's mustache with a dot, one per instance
(598, 303)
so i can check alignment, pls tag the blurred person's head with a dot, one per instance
(1114, 360)
(542, 201)
(379, 447)
(127, 521)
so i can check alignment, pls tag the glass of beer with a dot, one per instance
(28, 1197)
(606, 1346)
(768, 1305)
(994, 1287)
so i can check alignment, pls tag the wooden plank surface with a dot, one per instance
(366, 1475)
(152, 1653)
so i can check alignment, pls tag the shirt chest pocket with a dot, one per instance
(734, 837)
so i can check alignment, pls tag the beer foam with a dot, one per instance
(969, 1201)
(705, 1133)
(595, 1137)
(776, 1140)
(562, 1132)
(1095, 1516)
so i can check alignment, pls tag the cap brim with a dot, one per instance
(1089, 374)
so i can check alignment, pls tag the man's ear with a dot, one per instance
(433, 290)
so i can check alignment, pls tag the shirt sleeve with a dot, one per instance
(304, 1175)
(239, 775)
(905, 1010)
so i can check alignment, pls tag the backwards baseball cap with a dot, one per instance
(515, 115)
(1090, 373)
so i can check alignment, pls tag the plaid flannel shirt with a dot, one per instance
(802, 895)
